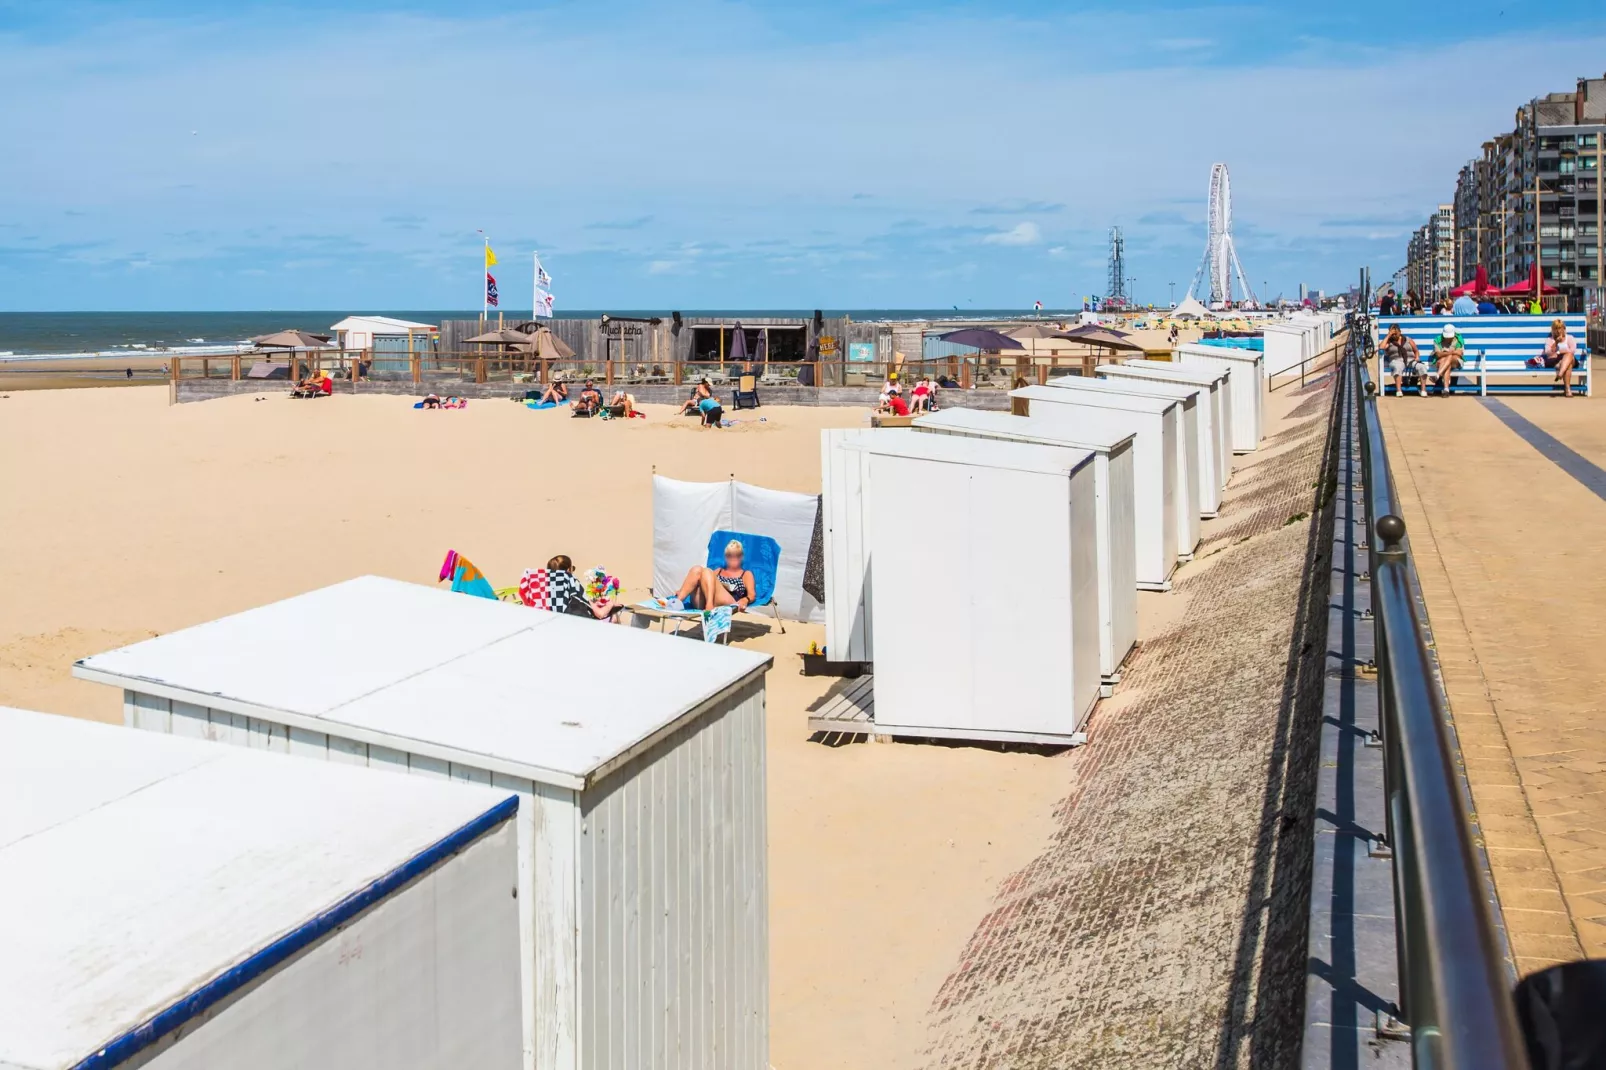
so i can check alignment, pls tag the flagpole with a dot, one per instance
(485, 293)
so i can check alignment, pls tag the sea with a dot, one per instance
(121, 334)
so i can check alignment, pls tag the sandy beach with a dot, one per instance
(138, 518)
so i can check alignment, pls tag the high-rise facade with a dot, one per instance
(1534, 194)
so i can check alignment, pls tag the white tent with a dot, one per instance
(1208, 413)
(1154, 464)
(638, 759)
(1190, 309)
(1111, 441)
(1248, 385)
(1186, 440)
(986, 588)
(174, 903)
(1218, 379)
(684, 515)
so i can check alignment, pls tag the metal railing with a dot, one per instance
(1454, 989)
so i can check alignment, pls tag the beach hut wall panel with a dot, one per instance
(1207, 418)
(1248, 385)
(638, 759)
(1189, 462)
(178, 904)
(962, 652)
(1152, 423)
(1111, 444)
(1220, 395)
(844, 491)
(1287, 346)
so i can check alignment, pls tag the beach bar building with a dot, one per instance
(178, 904)
(1217, 379)
(1213, 467)
(638, 759)
(1248, 385)
(1110, 441)
(1153, 424)
(987, 613)
(1186, 440)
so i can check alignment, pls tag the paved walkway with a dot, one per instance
(1504, 506)
(1165, 924)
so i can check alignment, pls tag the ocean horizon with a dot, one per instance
(114, 333)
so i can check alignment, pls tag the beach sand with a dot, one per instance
(127, 518)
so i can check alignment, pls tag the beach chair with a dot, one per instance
(762, 555)
(745, 396)
(553, 591)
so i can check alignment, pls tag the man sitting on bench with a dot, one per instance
(1449, 353)
(1400, 354)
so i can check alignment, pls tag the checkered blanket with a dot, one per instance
(544, 588)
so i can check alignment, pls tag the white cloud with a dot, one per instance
(665, 267)
(1019, 234)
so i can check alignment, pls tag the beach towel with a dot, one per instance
(814, 564)
(466, 579)
(716, 623)
(539, 405)
(549, 589)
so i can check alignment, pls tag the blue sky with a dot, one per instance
(810, 154)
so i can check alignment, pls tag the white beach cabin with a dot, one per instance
(1154, 465)
(985, 588)
(1111, 443)
(1207, 425)
(182, 905)
(638, 759)
(1248, 385)
(1287, 345)
(1219, 381)
(1189, 462)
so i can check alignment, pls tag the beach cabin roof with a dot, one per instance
(1163, 370)
(1136, 402)
(140, 867)
(1102, 435)
(494, 685)
(380, 325)
(986, 453)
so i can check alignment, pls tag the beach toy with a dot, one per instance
(600, 585)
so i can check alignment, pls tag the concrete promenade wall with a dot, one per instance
(646, 394)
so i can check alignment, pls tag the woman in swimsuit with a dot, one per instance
(730, 585)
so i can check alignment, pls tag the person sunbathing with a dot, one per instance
(557, 393)
(623, 406)
(589, 403)
(700, 393)
(732, 584)
(577, 603)
(432, 401)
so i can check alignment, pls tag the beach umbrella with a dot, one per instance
(1035, 331)
(1478, 284)
(545, 345)
(291, 339)
(503, 337)
(1100, 336)
(981, 338)
(1527, 288)
(738, 349)
(761, 351)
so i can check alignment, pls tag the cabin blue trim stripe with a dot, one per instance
(291, 943)
(1551, 448)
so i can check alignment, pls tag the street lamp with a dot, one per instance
(1173, 293)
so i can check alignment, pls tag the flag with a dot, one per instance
(490, 289)
(1039, 305)
(490, 257)
(542, 279)
(543, 304)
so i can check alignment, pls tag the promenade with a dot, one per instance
(1505, 505)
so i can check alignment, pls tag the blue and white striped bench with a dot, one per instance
(1497, 348)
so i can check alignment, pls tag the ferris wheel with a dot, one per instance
(1220, 265)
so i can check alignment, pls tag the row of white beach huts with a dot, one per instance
(572, 873)
(1028, 538)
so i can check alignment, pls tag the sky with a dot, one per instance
(344, 155)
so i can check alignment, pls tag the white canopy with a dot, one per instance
(1190, 309)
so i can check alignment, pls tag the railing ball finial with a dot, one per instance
(1371, 388)
(1391, 529)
